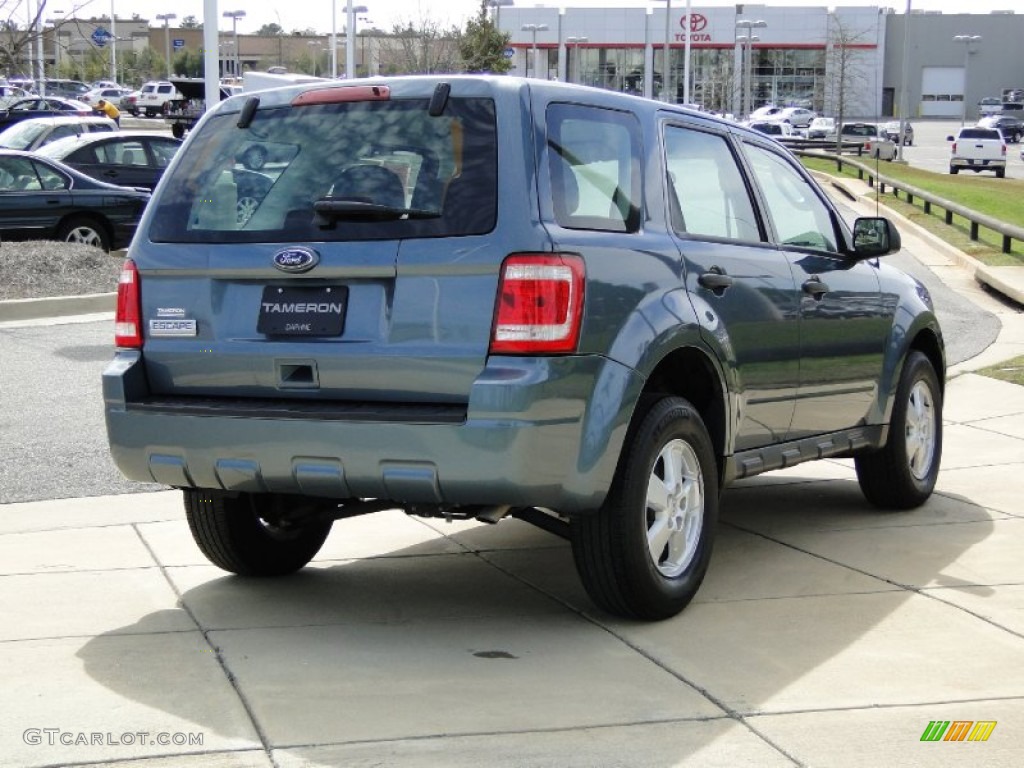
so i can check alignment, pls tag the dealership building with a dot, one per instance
(745, 56)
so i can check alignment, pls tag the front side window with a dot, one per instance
(350, 170)
(594, 162)
(799, 216)
(711, 198)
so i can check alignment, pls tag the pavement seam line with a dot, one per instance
(922, 591)
(120, 761)
(730, 713)
(218, 655)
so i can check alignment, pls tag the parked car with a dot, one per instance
(129, 103)
(37, 132)
(891, 131)
(977, 149)
(41, 198)
(487, 297)
(153, 98)
(110, 95)
(64, 88)
(128, 158)
(798, 117)
(1009, 125)
(990, 105)
(872, 142)
(39, 106)
(822, 128)
(766, 112)
(776, 128)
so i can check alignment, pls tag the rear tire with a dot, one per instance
(1001, 173)
(82, 229)
(644, 553)
(903, 473)
(954, 171)
(242, 533)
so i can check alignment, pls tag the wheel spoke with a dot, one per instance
(658, 535)
(657, 495)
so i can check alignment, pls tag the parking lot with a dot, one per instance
(827, 633)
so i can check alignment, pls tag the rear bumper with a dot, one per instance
(963, 162)
(536, 432)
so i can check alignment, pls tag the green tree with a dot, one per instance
(482, 46)
(188, 64)
(191, 22)
(269, 30)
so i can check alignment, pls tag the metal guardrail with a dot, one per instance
(1008, 232)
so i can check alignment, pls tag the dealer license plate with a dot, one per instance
(305, 311)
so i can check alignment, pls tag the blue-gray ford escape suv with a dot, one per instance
(480, 297)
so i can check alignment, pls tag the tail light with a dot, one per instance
(128, 317)
(954, 147)
(540, 304)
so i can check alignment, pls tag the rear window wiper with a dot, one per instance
(333, 209)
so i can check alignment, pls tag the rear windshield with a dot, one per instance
(980, 133)
(363, 170)
(21, 135)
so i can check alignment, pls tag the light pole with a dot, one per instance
(576, 40)
(966, 40)
(234, 16)
(903, 87)
(534, 28)
(314, 52)
(56, 24)
(166, 18)
(496, 5)
(350, 37)
(666, 76)
(749, 38)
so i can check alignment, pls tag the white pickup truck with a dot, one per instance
(978, 149)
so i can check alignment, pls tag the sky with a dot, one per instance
(316, 14)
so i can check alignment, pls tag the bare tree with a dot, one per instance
(425, 46)
(846, 69)
(22, 25)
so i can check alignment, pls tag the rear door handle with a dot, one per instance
(715, 280)
(815, 287)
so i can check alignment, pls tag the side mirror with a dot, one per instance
(950, 138)
(874, 236)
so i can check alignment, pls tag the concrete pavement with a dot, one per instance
(826, 633)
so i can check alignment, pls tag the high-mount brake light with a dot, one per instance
(342, 93)
(128, 317)
(539, 305)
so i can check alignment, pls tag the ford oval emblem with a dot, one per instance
(296, 259)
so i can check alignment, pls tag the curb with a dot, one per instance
(57, 306)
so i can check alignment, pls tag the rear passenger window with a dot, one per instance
(594, 162)
(710, 197)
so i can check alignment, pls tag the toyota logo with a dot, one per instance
(296, 259)
(698, 22)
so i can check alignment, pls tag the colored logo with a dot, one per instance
(296, 259)
(698, 22)
(958, 730)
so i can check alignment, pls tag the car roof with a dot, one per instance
(68, 144)
(65, 120)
